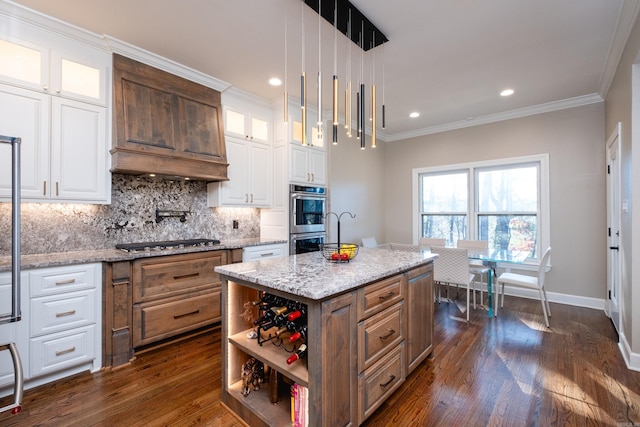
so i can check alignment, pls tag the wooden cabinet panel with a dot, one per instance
(379, 381)
(165, 124)
(378, 334)
(164, 277)
(380, 295)
(419, 315)
(153, 322)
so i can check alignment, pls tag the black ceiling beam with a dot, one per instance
(357, 21)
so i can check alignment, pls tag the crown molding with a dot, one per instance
(626, 20)
(507, 115)
(162, 63)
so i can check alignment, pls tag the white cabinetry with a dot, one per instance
(308, 165)
(17, 332)
(54, 95)
(250, 157)
(61, 323)
(253, 253)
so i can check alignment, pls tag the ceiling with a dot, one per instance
(446, 59)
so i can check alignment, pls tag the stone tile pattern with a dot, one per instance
(310, 275)
(58, 227)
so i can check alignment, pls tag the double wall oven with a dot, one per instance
(307, 213)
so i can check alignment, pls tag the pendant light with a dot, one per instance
(335, 73)
(373, 97)
(303, 87)
(362, 94)
(348, 107)
(383, 105)
(286, 94)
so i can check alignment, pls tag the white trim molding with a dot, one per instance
(630, 358)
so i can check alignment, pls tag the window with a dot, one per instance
(504, 202)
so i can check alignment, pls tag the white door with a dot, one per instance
(613, 220)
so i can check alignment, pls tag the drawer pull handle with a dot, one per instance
(184, 276)
(66, 313)
(65, 282)
(391, 378)
(69, 350)
(386, 296)
(391, 332)
(191, 313)
(267, 254)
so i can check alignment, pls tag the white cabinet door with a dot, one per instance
(248, 125)
(81, 74)
(78, 157)
(261, 174)
(235, 191)
(25, 114)
(307, 165)
(24, 64)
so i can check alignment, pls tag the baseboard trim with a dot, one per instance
(576, 300)
(631, 359)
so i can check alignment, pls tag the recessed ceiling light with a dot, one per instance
(414, 115)
(506, 92)
(274, 81)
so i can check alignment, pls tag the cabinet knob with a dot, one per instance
(246, 198)
(251, 197)
(45, 88)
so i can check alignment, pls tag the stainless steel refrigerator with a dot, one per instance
(10, 312)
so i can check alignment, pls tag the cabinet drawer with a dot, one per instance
(166, 276)
(55, 352)
(378, 334)
(378, 382)
(380, 295)
(153, 322)
(262, 252)
(57, 280)
(65, 311)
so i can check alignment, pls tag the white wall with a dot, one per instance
(574, 139)
(620, 98)
(356, 185)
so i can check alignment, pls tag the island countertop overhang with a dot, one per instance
(311, 276)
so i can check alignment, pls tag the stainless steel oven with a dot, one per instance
(306, 242)
(308, 208)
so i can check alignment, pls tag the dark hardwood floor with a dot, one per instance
(506, 371)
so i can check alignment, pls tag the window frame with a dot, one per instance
(472, 168)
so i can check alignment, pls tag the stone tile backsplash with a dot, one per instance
(57, 227)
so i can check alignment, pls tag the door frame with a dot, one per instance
(614, 219)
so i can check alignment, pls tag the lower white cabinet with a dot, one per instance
(60, 331)
(252, 253)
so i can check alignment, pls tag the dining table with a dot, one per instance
(491, 258)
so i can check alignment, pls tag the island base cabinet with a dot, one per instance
(329, 371)
(419, 316)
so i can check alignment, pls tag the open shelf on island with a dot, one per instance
(258, 401)
(273, 356)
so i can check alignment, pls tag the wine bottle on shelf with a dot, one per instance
(300, 312)
(301, 333)
(299, 354)
(265, 318)
(279, 320)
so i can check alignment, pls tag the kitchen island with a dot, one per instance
(369, 324)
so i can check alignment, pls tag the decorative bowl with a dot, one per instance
(339, 252)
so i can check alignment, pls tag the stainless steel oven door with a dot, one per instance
(307, 213)
(306, 242)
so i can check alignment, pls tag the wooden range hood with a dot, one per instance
(165, 125)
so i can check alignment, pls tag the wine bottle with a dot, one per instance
(265, 318)
(278, 320)
(299, 334)
(297, 313)
(299, 354)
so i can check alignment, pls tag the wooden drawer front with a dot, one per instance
(54, 352)
(60, 312)
(378, 382)
(378, 334)
(166, 276)
(420, 271)
(380, 295)
(155, 322)
(51, 281)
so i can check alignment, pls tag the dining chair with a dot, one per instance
(476, 266)
(369, 242)
(428, 242)
(451, 267)
(529, 282)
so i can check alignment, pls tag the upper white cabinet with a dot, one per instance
(308, 165)
(66, 70)
(248, 137)
(54, 94)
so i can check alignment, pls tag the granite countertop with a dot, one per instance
(115, 255)
(310, 275)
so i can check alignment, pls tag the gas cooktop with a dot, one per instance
(167, 244)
